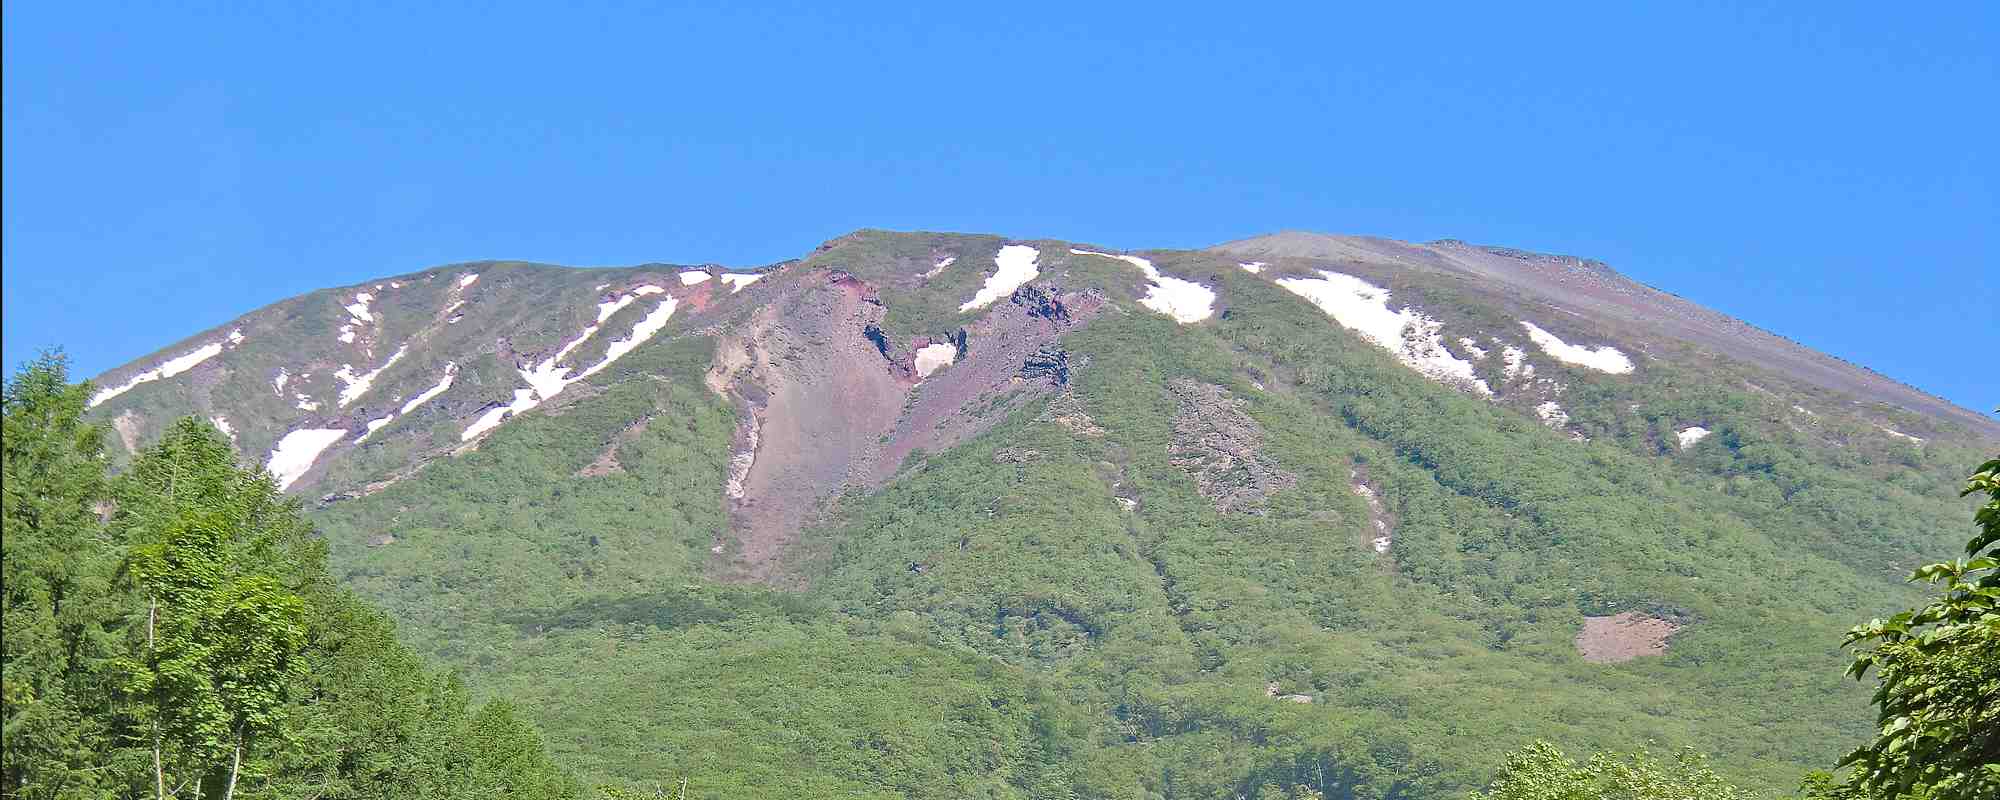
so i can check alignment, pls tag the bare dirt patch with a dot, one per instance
(127, 424)
(822, 393)
(829, 401)
(1000, 367)
(1222, 449)
(1623, 637)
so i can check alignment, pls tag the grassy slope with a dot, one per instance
(1051, 642)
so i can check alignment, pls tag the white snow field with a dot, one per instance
(172, 366)
(1690, 435)
(1013, 265)
(354, 386)
(1602, 359)
(546, 379)
(932, 357)
(1413, 338)
(297, 451)
(1186, 301)
(450, 372)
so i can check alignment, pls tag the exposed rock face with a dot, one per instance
(1049, 363)
(956, 403)
(1067, 411)
(1221, 448)
(1038, 302)
(822, 395)
(828, 401)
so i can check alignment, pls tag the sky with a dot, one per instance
(1826, 171)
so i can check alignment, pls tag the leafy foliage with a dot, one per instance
(193, 645)
(1541, 772)
(1938, 675)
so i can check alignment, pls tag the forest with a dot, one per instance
(173, 632)
(1057, 608)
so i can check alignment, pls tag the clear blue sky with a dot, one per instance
(1827, 171)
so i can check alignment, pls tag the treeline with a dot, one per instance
(172, 632)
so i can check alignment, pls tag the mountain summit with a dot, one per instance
(942, 514)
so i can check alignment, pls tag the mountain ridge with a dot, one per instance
(1192, 520)
(1797, 358)
(1822, 368)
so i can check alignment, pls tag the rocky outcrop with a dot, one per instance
(1220, 447)
(822, 396)
(1050, 363)
(1038, 301)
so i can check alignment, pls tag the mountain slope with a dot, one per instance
(945, 515)
(1591, 290)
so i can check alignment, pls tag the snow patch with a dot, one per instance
(278, 383)
(940, 265)
(932, 357)
(738, 280)
(524, 399)
(1472, 347)
(296, 453)
(450, 372)
(357, 385)
(1602, 359)
(1186, 301)
(1552, 414)
(173, 366)
(359, 308)
(373, 426)
(467, 279)
(1412, 337)
(221, 423)
(652, 323)
(1383, 538)
(1691, 434)
(1252, 267)
(546, 380)
(694, 276)
(1514, 362)
(1013, 265)
(235, 337)
(1901, 435)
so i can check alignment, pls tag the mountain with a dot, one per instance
(943, 515)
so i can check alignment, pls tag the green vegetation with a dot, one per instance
(173, 633)
(1938, 676)
(1126, 654)
(1541, 772)
(1048, 610)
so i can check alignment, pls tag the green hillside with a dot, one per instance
(1060, 606)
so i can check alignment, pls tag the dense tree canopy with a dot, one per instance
(172, 632)
(1938, 675)
(1541, 772)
